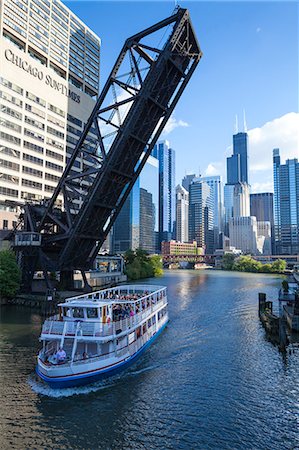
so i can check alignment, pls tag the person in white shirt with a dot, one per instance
(60, 355)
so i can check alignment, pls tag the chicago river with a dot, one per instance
(211, 380)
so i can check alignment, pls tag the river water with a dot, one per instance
(211, 380)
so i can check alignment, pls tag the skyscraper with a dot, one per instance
(240, 142)
(187, 180)
(261, 206)
(201, 225)
(241, 206)
(286, 205)
(49, 81)
(182, 212)
(137, 222)
(237, 172)
(166, 158)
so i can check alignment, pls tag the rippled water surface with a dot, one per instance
(211, 380)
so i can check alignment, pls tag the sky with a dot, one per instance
(249, 63)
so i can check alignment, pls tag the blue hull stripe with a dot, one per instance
(79, 380)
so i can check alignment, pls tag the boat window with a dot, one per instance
(92, 313)
(149, 323)
(153, 320)
(78, 313)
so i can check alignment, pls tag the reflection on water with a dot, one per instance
(211, 380)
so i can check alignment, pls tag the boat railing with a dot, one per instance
(146, 291)
(72, 328)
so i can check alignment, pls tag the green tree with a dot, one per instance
(10, 274)
(157, 265)
(228, 261)
(140, 265)
(279, 266)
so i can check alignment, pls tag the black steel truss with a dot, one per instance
(136, 102)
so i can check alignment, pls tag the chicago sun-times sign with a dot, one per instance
(35, 72)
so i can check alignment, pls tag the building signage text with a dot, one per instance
(35, 72)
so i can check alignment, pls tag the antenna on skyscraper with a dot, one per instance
(236, 125)
(244, 121)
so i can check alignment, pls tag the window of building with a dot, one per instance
(58, 71)
(54, 155)
(71, 139)
(9, 165)
(11, 99)
(51, 177)
(49, 188)
(61, 22)
(39, 28)
(55, 121)
(60, 14)
(10, 125)
(10, 85)
(58, 59)
(10, 112)
(10, 138)
(9, 178)
(31, 171)
(18, 43)
(37, 56)
(34, 135)
(33, 147)
(5, 224)
(34, 123)
(89, 92)
(9, 152)
(55, 143)
(54, 166)
(8, 192)
(31, 183)
(37, 43)
(76, 82)
(16, 11)
(73, 130)
(30, 196)
(36, 111)
(55, 132)
(43, 5)
(74, 120)
(20, 4)
(56, 110)
(15, 27)
(36, 99)
(38, 11)
(38, 20)
(32, 159)
(59, 32)
(38, 36)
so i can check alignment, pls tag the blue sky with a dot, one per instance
(250, 61)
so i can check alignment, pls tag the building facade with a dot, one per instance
(201, 225)
(243, 234)
(182, 214)
(49, 81)
(261, 206)
(180, 248)
(286, 205)
(240, 147)
(241, 203)
(166, 215)
(137, 224)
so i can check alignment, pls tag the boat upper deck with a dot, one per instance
(105, 313)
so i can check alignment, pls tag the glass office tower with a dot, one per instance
(166, 158)
(261, 206)
(137, 222)
(286, 205)
(201, 224)
(240, 143)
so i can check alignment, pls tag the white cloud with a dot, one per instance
(215, 168)
(258, 30)
(282, 133)
(172, 124)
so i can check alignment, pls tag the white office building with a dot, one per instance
(182, 212)
(243, 234)
(49, 81)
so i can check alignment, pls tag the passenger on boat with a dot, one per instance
(60, 356)
(85, 355)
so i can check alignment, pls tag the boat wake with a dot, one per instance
(39, 387)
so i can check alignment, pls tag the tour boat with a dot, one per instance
(99, 334)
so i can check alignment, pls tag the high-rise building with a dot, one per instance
(187, 180)
(49, 81)
(286, 205)
(137, 223)
(240, 144)
(243, 234)
(182, 212)
(237, 172)
(264, 246)
(166, 158)
(261, 206)
(241, 206)
(201, 225)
